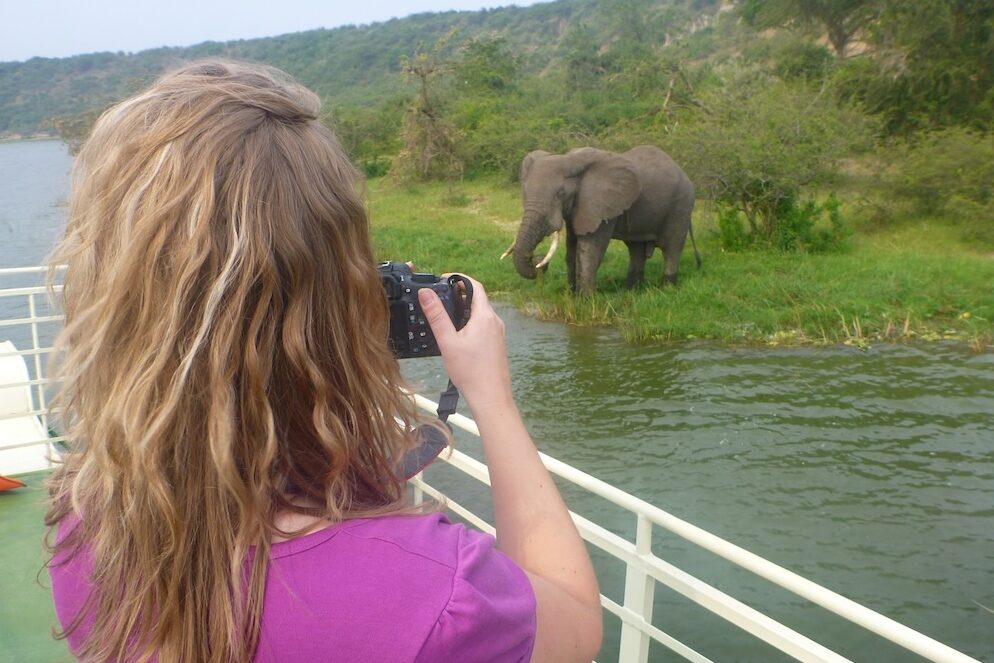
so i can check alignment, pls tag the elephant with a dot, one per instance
(641, 197)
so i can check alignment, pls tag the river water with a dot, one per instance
(871, 473)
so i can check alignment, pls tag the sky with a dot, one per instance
(60, 28)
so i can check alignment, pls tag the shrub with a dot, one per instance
(791, 57)
(375, 166)
(800, 227)
(803, 60)
(732, 235)
(946, 163)
(947, 174)
(760, 144)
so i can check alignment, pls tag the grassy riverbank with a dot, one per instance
(912, 283)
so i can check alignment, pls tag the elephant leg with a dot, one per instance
(673, 238)
(638, 253)
(671, 255)
(589, 254)
(571, 254)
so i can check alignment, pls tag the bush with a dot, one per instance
(759, 144)
(948, 174)
(946, 163)
(798, 231)
(975, 220)
(375, 166)
(791, 57)
(803, 60)
(369, 135)
(732, 235)
(799, 228)
(497, 136)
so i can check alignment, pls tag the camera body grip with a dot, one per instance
(410, 334)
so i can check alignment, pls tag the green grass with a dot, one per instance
(916, 282)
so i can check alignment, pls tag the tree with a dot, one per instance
(764, 143)
(429, 139)
(486, 65)
(842, 20)
(585, 68)
(73, 130)
(370, 135)
(937, 61)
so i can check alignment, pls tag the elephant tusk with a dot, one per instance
(508, 252)
(552, 251)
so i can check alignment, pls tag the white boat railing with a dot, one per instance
(26, 441)
(643, 568)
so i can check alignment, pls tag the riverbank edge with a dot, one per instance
(856, 339)
(28, 139)
(910, 285)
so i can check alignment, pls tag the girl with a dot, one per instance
(237, 420)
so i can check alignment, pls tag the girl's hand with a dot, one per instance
(475, 357)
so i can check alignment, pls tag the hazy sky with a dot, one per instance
(58, 28)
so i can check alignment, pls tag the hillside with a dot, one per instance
(351, 65)
(839, 150)
(769, 105)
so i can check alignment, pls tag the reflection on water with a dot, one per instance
(869, 472)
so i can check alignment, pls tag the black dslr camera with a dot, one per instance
(410, 335)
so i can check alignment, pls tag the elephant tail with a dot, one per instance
(697, 254)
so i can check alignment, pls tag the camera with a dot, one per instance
(410, 335)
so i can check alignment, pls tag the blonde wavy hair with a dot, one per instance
(224, 358)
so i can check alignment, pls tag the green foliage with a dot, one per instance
(486, 66)
(800, 227)
(429, 139)
(928, 63)
(497, 134)
(732, 234)
(841, 20)
(73, 130)
(350, 66)
(375, 167)
(933, 66)
(791, 57)
(802, 60)
(762, 143)
(370, 135)
(761, 118)
(948, 174)
(797, 229)
(585, 68)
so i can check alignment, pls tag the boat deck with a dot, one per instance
(26, 612)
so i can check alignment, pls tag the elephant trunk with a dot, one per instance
(530, 234)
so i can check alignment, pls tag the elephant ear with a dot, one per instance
(529, 161)
(608, 187)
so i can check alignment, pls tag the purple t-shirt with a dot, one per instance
(395, 588)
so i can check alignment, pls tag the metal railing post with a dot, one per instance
(419, 494)
(39, 375)
(640, 591)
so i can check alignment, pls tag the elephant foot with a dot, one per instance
(633, 283)
(670, 279)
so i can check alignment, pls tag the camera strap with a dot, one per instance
(432, 442)
(447, 403)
